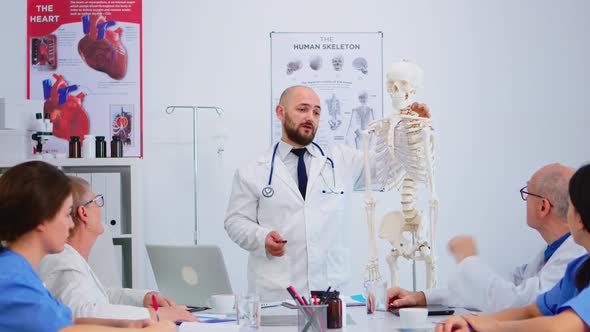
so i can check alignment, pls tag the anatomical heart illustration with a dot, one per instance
(67, 114)
(102, 48)
(94, 48)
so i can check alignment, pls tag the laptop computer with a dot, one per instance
(433, 310)
(189, 275)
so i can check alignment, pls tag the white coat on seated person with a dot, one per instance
(476, 285)
(71, 280)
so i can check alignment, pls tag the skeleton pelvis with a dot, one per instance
(394, 224)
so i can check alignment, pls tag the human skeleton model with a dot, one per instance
(334, 112)
(404, 159)
(359, 120)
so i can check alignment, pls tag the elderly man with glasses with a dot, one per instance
(476, 285)
(69, 278)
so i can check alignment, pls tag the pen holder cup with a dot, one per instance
(312, 318)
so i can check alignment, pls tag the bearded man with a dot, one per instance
(287, 208)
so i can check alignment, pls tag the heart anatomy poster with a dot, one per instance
(84, 61)
(344, 69)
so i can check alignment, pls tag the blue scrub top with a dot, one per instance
(25, 304)
(564, 295)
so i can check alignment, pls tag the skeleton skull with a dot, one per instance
(315, 62)
(361, 64)
(402, 80)
(293, 66)
(363, 96)
(338, 62)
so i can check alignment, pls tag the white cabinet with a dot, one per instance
(118, 179)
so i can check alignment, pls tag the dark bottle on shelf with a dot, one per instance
(116, 147)
(101, 147)
(75, 147)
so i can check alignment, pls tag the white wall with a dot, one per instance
(506, 82)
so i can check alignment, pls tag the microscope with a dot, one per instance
(42, 132)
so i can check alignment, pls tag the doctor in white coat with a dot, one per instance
(287, 211)
(70, 279)
(476, 285)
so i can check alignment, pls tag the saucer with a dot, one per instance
(215, 312)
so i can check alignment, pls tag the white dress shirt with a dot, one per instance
(69, 278)
(291, 160)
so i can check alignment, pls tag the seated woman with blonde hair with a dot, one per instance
(35, 220)
(566, 307)
(71, 280)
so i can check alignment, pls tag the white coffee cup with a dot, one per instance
(223, 303)
(411, 317)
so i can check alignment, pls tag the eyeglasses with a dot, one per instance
(525, 194)
(99, 200)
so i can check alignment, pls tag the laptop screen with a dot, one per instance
(189, 275)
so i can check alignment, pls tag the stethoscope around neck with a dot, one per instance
(268, 191)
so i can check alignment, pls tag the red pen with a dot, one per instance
(155, 304)
(295, 296)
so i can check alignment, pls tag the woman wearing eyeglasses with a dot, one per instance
(35, 219)
(566, 307)
(71, 280)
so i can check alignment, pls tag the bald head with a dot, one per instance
(552, 182)
(289, 94)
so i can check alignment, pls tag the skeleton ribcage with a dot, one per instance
(400, 152)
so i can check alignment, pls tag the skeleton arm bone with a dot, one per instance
(428, 145)
(373, 262)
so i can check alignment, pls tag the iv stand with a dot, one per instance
(195, 109)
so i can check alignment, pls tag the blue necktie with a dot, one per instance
(301, 172)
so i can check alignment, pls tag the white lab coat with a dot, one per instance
(316, 255)
(69, 278)
(476, 285)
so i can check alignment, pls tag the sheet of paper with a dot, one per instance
(208, 327)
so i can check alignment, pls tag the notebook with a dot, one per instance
(189, 275)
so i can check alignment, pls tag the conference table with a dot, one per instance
(285, 320)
